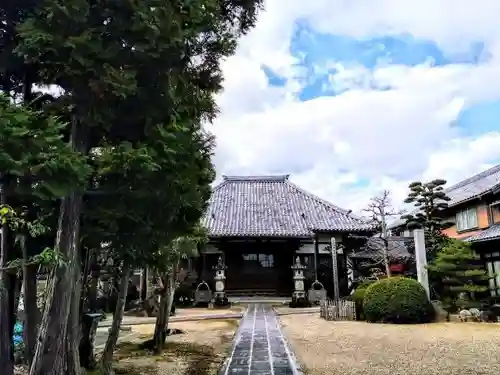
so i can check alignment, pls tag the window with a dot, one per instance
(266, 260)
(495, 210)
(306, 260)
(493, 267)
(250, 257)
(467, 219)
(408, 233)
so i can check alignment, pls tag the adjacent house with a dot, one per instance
(474, 210)
(259, 225)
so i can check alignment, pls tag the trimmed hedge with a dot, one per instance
(398, 300)
(358, 296)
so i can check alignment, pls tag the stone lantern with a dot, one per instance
(299, 293)
(220, 298)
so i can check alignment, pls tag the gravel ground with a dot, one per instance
(350, 348)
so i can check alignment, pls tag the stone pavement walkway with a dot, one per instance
(259, 347)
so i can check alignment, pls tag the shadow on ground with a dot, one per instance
(197, 359)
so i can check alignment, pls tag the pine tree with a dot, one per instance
(430, 200)
(460, 272)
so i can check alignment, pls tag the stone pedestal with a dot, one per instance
(299, 298)
(220, 298)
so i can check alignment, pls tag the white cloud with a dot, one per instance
(386, 137)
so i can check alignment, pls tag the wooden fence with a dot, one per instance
(337, 310)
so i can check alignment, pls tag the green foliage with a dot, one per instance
(34, 151)
(397, 300)
(430, 200)
(5, 212)
(47, 258)
(460, 272)
(122, 60)
(358, 297)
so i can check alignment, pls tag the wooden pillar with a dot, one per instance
(203, 266)
(316, 254)
(335, 270)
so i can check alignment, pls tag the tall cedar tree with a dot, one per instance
(116, 62)
(460, 271)
(161, 191)
(16, 79)
(44, 166)
(430, 201)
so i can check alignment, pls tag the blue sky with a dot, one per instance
(352, 99)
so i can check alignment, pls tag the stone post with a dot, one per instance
(220, 284)
(421, 259)
(335, 270)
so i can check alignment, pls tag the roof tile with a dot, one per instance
(272, 206)
(474, 186)
(491, 233)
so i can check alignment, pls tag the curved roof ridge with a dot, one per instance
(266, 178)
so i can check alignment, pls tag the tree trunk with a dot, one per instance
(166, 301)
(144, 284)
(74, 326)
(6, 360)
(388, 271)
(6, 289)
(107, 355)
(50, 354)
(31, 312)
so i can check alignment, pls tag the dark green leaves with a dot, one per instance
(458, 269)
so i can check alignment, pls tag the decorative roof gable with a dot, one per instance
(272, 206)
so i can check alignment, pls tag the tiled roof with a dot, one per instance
(399, 248)
(272, 206)
(475, 186)
(470, 188)
(491, 233)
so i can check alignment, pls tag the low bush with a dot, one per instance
(358, 296)
(397, 300)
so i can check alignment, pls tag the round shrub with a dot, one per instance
(397, 300)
